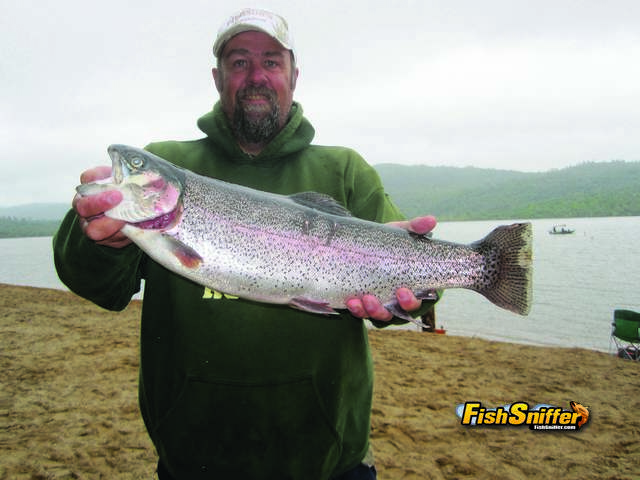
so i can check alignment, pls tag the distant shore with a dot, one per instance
(68, 400)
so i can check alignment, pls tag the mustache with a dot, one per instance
(269, 94)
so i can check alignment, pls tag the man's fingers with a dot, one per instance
(422, 225)
(375, 309)
(407, 300)
(91, 211)
(356, 308)
(94, 205)
(118, 240)
(102, 228)
(418, 225)
(368, 307)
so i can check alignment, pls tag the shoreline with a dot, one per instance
(68, 400)
(489, 338)
(408, 328)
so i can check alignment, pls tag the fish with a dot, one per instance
(304, 250)
(582, 410)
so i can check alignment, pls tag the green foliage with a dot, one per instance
(586, 190)
(11, 227)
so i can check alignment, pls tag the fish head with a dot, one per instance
(582, 411)
(151, 188)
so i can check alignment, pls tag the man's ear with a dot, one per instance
(217, 78)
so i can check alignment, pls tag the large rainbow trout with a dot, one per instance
(303, 250)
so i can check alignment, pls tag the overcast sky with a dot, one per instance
(515, 84)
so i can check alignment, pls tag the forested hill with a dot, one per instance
(36, 211)
(31, 220)
(586, 190)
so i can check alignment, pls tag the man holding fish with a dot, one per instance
(231, 388)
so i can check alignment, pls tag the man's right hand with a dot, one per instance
(90, 209)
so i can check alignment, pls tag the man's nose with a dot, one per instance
(257, 74)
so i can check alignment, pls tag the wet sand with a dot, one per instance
(68, 401)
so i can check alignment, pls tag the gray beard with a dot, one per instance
(252, 130)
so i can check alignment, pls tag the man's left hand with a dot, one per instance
(369, 306)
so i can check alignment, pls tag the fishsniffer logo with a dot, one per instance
(540, 417)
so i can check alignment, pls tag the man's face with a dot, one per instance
(256, 83)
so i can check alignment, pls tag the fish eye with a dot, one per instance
(137, 162)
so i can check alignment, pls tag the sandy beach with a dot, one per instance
(68, 401)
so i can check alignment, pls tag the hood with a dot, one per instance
(295, 136)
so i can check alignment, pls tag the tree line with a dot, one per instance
(12, 227)
(586, 190)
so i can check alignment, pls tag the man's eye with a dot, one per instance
(270, 63)
(239, 63)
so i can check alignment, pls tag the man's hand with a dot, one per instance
(90, 209)
(369, 306)
(419, 225)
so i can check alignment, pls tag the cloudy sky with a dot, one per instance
(513, 84)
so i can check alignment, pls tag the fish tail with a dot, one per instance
(507, 280)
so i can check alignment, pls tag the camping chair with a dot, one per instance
(626, 333)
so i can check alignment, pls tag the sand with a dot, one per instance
(68, 400)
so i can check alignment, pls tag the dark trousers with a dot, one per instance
(361, 472)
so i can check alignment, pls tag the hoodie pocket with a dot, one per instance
(230, 429)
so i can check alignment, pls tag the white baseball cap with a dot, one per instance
(254, 19)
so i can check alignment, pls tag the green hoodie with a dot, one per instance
(231, 388)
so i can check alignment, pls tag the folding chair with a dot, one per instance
(626, 333)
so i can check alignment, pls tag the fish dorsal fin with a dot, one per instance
(321, 202)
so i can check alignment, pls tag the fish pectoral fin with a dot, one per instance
(313, 306)
(399, 312)
(186, 255)
(321, 202)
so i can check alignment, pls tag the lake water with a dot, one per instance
(579, 280)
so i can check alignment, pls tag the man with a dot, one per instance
(231, 388)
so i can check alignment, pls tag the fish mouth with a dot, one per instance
(151, 189)
(117, 165)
